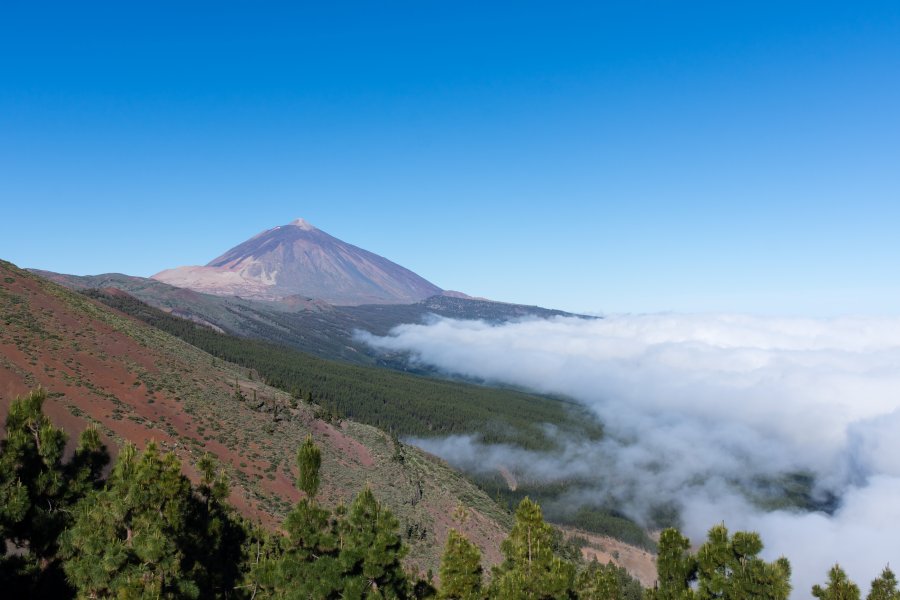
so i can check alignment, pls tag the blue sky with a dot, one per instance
(633, 156)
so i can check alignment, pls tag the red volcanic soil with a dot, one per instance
(138, 384)
(95, 372)
(345, 445)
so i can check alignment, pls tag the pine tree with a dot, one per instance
(599, 582)
(263, 556)
(32, 476)
(84, 472)
(884, 587)
(131, 540)
(37, 491)
(608, 582)
(530, 570)
(216, 536)
(461, 570)
(213, 486)
(308, 566)
(839, 587)
(676, 567)
(309, 460)
(730, 568)
(372, 551)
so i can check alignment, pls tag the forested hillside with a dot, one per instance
(399, 403)
(402, 404)
(405, 404)
(132, 382)
(145, 531)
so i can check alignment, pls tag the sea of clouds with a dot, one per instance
(698, 407)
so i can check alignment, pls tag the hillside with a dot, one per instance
(401, 403)
(138, 383)
(301, 322)
(422, 407)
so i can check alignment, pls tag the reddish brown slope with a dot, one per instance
(139, 384)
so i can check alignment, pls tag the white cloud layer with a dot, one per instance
(693, 403)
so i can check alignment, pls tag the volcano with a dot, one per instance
(299, 259)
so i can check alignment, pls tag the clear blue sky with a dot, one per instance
(633, 156)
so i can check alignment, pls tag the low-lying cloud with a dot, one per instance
(696, 406)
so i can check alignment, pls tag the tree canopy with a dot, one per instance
(147, 532)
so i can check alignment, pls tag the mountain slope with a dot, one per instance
(402, 403)
(309, 325)
(299, 259)
(138, 383)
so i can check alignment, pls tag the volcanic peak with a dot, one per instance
(300, 259)
(303, 224)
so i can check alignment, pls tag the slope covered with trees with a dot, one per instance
(405, 404)
(146, 531)
(130, 382)
(400, 403)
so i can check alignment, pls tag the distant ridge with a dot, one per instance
(300, 259)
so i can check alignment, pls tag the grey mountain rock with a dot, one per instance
(298, 259)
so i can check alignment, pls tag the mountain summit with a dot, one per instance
(299, 259)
